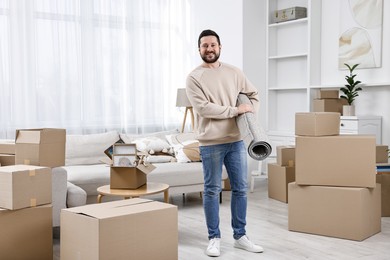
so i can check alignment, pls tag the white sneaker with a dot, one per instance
(213, 247)
(246, 244)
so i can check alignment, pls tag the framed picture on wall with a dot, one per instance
(360, 40)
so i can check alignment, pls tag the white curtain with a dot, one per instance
(93, 65)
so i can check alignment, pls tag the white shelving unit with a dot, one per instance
(293, 65)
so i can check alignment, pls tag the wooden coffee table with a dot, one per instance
(148, 189)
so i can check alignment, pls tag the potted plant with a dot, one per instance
(350, 90)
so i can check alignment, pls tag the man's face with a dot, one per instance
(209, 49)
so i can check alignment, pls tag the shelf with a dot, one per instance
(279, 57)
(286, 88)
(288, 23)
(378, 84)
(292, 65)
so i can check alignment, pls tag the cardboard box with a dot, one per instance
(285, 155)
(384, 180)
(343, 212)
(329, 93)
(124, 229)
(382, 155)
(278, 179)
(7, 159)
(7, 147)
(26, 233)
(41, 147)
(317, 124)
(344, 160)
(129, 177)
(329, 105)
(23, 186)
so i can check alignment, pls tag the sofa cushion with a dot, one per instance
(178, 174)
(88, 149)
(160, 159)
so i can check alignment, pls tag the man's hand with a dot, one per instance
(243, 108)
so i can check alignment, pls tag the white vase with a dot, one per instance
(348, 110)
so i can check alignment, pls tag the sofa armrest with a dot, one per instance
(59, 190)
(76, 196)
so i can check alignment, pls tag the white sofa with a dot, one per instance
(86, 171)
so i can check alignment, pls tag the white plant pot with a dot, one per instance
(348, 110)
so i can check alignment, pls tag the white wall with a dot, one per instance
(225, 17)
(373, 100)
(254, 54)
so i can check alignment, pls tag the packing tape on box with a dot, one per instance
(31, 173)
(290, 163)
(253, 135)
(33, 202)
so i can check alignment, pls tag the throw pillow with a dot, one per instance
(88, 149)
(151, 145)
(128, 138)
(189, 152)
(185, 146)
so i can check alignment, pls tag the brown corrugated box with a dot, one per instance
(384, 180)
(42, 147)
(343, 212)
(278, 179)
(125, 229)
(344, 160)
(329, 105)
(285, 155)
(329, 93)
(7, 159)
(23, 186)
(129, 177)
(382, 155)
(26, 233)
(317, 124)
(7, 147)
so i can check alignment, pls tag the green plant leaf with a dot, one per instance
(351, 89)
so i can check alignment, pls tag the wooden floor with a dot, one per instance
(267, 226)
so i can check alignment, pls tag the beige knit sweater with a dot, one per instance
(213, 94)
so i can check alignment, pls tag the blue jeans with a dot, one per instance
(233, 156)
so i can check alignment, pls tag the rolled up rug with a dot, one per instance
(253, 135)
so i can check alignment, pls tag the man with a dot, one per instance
(213, 89)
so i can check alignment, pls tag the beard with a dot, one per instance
(210, 57)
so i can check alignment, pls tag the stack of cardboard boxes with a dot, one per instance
(328, 101)
(281, 173)
(26, 192)
(25, 212)
(335, 193)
